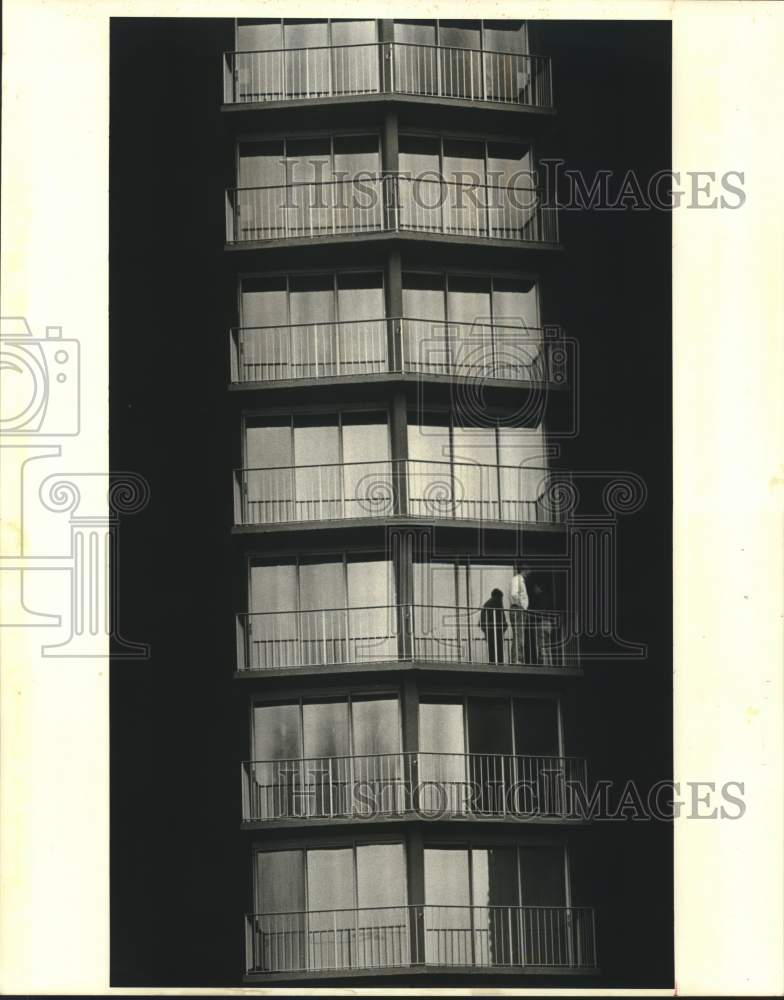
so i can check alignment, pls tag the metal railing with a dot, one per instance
(480, 350)
(435, 785)
(387, 67)
(344, 348)
(536, 937)
(410, 487)
(391, 203)
(310, 350)
(293, 640)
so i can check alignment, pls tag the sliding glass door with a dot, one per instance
(326, 908)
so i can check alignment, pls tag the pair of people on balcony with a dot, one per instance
(494, 623)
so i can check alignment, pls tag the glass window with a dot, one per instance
(255, 35)
(325, 728)
(416, 32)
(389, 862)
(489, 723)
(536, 727)
(375, 725)
(542, 876)
(448, 925)
(360, 296)
(356, 154)
(263, 302)
(300, 33)
(268, 443)
(350, 32)
(447, 882)
(273, 587)
(280, 881)
(277, 732)
(441, 726)
(262, 164)
(505, 36)
(308, 161)
(321, 584)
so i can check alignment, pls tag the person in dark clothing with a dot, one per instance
(493, 623)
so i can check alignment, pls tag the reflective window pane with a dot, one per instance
(536, 727)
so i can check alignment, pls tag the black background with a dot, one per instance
(177, 876)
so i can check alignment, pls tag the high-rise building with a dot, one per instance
(404, 646)
(384, 391)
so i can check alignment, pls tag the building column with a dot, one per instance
(386, 35)
(415, 871)
(393, 291)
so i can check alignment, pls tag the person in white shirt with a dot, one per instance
(518, 605)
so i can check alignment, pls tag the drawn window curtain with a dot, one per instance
(523, 472)
(465, 196)
(512, 195)
(378, 765)
(259, 60)
(354, 189)
(448, 914)
(277, 752)
(517, 334)
(281, 923)
(460, 59)
(313, 335)
(362, 342)
(307, 70)
(383, 930)
(442, 624)
(472, 901)
(326, 908)
(423, 202)
(431, 487)
(372, 614)
(261, 195)
(269, 477)
(470, 325)
(442, 773)
(506, 66)
(265, 342)
(475, 472)
(327, 763)
(426, 347)
(495, 898)
(416, 58)
(355, 57)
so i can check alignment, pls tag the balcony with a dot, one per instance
(432, 348)
(430, 785)
(302, 640)
(407, 488)
(407, 69)
(534, 939)
(392, 203)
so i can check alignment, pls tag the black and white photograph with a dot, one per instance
(391, 345)
(391, 499)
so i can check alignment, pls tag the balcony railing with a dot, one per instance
(390, 203)
(387, 67)
(296, 640)
(407, 487)
(388, 937)
(435, 785)
(346, 348)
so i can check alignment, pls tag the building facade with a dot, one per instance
(406, 654)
